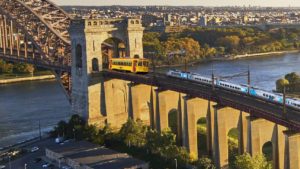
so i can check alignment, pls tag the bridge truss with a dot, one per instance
(36, 32)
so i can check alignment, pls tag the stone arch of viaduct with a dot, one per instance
(113, 101)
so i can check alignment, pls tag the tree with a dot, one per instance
(158, 142)
(60, 129)
(294, 81)
(23, 68)
(174, 48)
(5, 67)
(152, 45)
(76, 126)
(133, 133)
(280, 83)
(293, 36)
(205, 163)
(292, 77)
(229, 42)
(245, 161)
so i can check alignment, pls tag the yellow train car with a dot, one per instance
(133, 65)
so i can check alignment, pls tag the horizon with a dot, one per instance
(204, 3)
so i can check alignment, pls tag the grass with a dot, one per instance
(21, 75)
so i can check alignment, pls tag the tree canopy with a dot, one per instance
(245, 161)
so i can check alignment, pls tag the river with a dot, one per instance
(23, 105)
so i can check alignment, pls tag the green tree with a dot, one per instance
(133, 133)
(5, 67)
(60, 129)
(280, 83)
(245, 161)
(76, 126)
(158, 142)
(105, 135)
(152, 45)
(205, 163)
(293, 36)
(292, 77)
(294, 81)
(23, 68)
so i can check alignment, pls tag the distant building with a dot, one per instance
(85, 155)
(167, 17)
(203, 21)
(245, 19)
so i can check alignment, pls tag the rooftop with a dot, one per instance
(96, 157)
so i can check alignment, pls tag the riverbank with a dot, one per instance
(263, 54)
(24, 79)
(235, 57)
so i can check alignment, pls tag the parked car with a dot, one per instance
(2, 166)
(34, 149)
(46, 165)
(59, 139)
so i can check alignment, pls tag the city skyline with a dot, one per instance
(273, 3)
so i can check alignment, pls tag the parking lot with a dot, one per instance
(34, 158)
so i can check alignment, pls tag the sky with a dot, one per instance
(277, 3)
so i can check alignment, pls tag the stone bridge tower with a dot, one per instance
(87, 36)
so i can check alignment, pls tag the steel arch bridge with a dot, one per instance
(36, 32)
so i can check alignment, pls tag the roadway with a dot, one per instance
(29, 157)
(256, 107)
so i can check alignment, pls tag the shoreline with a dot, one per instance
(25, 79)
(235, 57)
(263, 54)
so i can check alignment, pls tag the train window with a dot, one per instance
(140, 63)
(145, 63)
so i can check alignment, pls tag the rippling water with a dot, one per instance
(23, 105)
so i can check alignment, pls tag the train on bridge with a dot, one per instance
(245, 89)
(133, 65)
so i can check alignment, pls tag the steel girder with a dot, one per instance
(45, 25)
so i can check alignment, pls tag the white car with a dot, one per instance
(34, 149)
(2, 166)
(45, 165)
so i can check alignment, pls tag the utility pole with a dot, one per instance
(9, 162)
(185, 66)
(249, 80)
(40, 132)
(284, 100)
(212, 78)
(153, 65)
(74, 133)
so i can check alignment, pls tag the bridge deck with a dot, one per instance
(254, 106)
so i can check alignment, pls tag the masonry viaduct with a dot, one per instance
(36, 32)
(109, 100)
